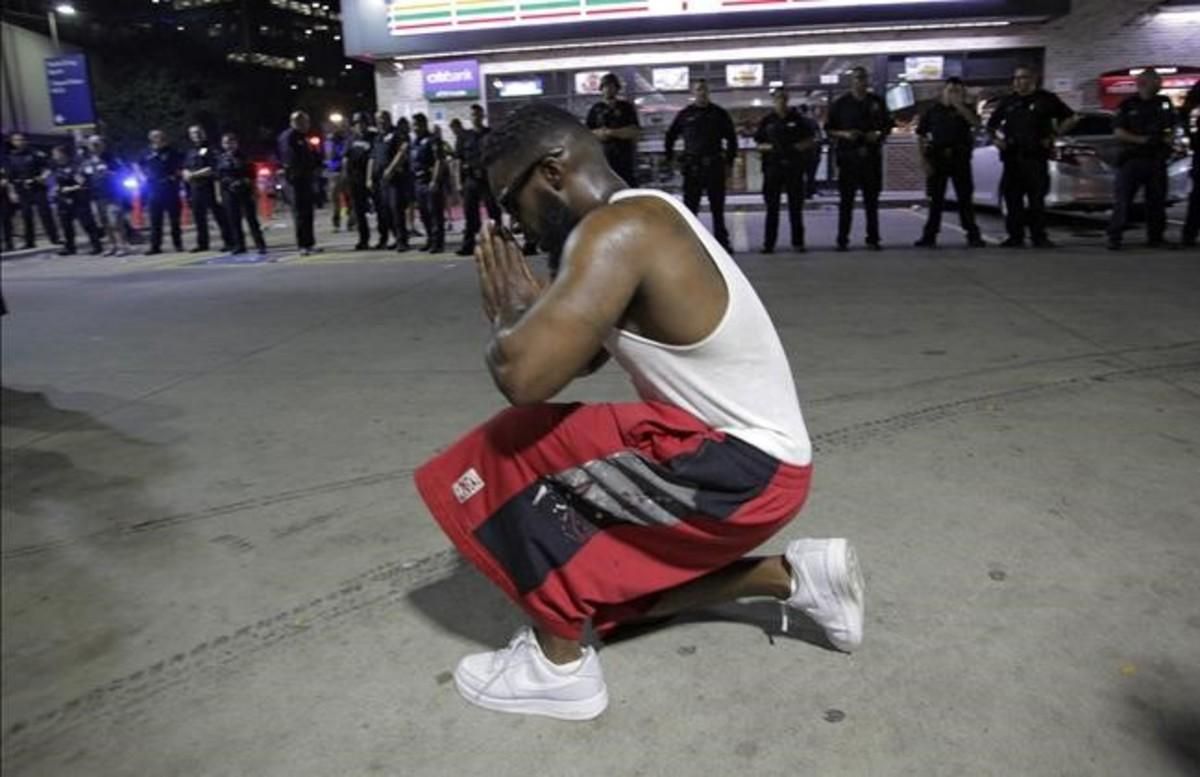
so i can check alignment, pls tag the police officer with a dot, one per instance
(811, 157)
(476, 190)
(1023, 127)
(301, 165)
(73, 197)
(1188, 114)
(709, 148)
(200, 174)
(357, 160)
(946, 137)
(1145, 127)
(105, 173)
(783, 137)
(28, 171)
(859, 123)
(7, 196)
(615, 123)
(427, 158)
(236, 178)
(383, 151)
(397, 178)
(161, 166)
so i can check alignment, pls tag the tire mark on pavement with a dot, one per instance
(395, 579)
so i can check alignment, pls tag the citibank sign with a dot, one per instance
(456, 80)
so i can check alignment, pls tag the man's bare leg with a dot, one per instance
(557, 649)
(747, 577)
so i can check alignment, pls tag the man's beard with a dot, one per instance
(554, 224)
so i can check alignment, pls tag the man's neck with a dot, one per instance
(858, 94)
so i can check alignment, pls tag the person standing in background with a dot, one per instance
(859, 123)
(301, 164)
(1191, 122)
(614, 122)
(709, 147)
(200, 175)
(160, 166)
(236, 177)
(783, 137)
(946, 138)
(73, 196)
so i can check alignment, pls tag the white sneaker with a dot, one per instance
(827, 586)
(519, 678)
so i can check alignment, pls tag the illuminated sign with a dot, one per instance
(924, 68)
(671, 79)
(744, 74)
(588, 82)
(451, 80)
(519, 87)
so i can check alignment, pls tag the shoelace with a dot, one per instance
(504, 657)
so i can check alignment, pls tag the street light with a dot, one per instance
(66, 9)
(336, 118)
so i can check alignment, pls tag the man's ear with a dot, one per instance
(554, 172)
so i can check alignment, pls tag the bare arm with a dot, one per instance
(546, 338)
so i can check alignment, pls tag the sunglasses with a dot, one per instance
(508, 197)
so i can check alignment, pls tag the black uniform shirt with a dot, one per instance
(26, 165)
(68, 175)
(621, 114)
(358, 151)
(161, 166)
(1028, 121)
(944, 128)
(425, 153)
(468, 147)
(870, 114)
(1153, 117)
(705, 130)
(383, 149)
(1192, 125)
(783, 133)
(198, 158)
(233, 171)
(300, 160)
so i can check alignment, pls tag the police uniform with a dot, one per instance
(949, 142)
(6, 209)
(236, 178)
(383, 149)
(1028, 126)
(709, 147)
(301, 163)
(162, 170)
(621, 154)
(427, 158)
(358, 153)
(26, 169)
(783, 171)
(1143, 165)
(473, 179)
(401, 186)
(202, 193)
(72, 194)
(1191, 225)
(859, 162)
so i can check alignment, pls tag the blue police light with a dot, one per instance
(130, 183)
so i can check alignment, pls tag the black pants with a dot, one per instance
(476, 192)
(1191, 226)
(432, 202)
(302, 212)
(707, 176)
(34, 198)
(1132, 175)
(165, 199)
(955, 168)
(399, 197)
(360, 195)
(855, 174)
(70, 210)
(238, 204)
(779, 180)
(1024, 184)
(385, 217)
(6, 220)
(812, 162)
(204, 201)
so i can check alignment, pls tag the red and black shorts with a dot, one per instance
(590, 512)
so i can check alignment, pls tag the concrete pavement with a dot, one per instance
(215, 563)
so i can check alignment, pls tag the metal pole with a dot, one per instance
(50, 15)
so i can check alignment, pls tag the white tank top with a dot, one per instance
(737, 379)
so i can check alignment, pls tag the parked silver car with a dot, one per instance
(1082, 168)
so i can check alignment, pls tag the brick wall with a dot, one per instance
(1102, 35)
